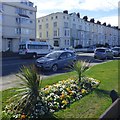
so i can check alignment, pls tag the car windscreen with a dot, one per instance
(116, 49)
(53, 55)
(100, 50)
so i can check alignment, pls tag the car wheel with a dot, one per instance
(95, 57)
(54, 68)
(106, 58)
(111, 57)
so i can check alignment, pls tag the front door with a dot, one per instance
(9, 45)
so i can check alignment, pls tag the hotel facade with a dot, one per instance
(18, 21)
(65, 30)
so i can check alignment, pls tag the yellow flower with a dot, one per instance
(62, 96)
(68, 89)
(23, 116)
(83, 91)
(47, 86)
(64, 102)
(47, 91)
(70, 92)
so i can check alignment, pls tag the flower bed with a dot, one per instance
(62, 94)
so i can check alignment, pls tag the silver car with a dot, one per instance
(55, 60)
(116, 51)
(103, 53)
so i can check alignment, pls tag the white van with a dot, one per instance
(34, 49)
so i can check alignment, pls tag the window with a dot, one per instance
(56, 17)
(80, 27)
(38, 21)
(69, 55)
(18, 20)
(46, 25)
(63, 56)
(56, 43)
(55, 33)
(68, 33)
(21, 11)
(31, 12)
(22, 20)
(68, 42)
(40, 35)
(65, 24)
(51, 18)
(63, 17)
(31, 21)
(40, 26)
(65, 42)
(55, 24)
(74, 26)
(25, 31)
(37, 46)
(47, 33)
(65, 32)
(17, 30)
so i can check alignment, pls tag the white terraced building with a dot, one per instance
(0, 30)
(18, 23)
(64, 30)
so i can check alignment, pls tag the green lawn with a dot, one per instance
(93, 104)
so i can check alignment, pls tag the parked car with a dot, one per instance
(55, 60)
(103, 53)
(91, 49)
(116, 51)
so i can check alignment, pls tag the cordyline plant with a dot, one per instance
(80, 67)
(29, 101)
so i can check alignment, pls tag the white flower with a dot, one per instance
(61, 89)
(51, 94)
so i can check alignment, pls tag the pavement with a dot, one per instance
(12, 80)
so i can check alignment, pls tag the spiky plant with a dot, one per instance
(80, 67)
(29, 100)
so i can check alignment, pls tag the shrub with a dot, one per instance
(28, 102)
(80, 67)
